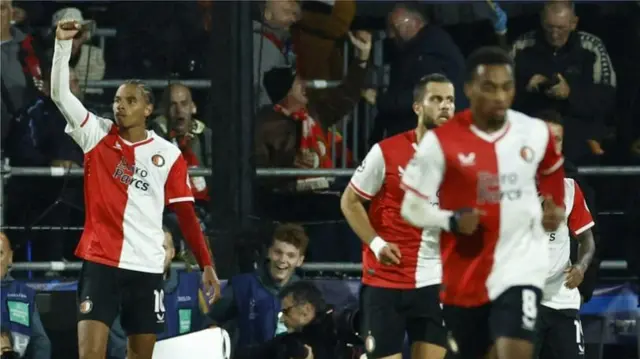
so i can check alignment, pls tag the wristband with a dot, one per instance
(376, 246)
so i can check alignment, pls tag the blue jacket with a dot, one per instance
(258, 309)
(182, 315)
(20, 315)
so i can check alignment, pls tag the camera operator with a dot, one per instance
(311, 330)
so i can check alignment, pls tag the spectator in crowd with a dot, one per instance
(87, 60)
(251, 299)
(422, 49)
(294, 133)
(272, 45)
(317, 38)
(311, 329)
(178, 125)
(37, 139)
(19, 311)
(569, 71)
(21, 70)
(182, 299)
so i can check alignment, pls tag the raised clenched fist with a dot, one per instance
(67, 29)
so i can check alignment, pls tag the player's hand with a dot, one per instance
(390, 254)
(467, 221)
(552, 215)
(67, 29)
(575, 275)
(211, 284)
(535, 81)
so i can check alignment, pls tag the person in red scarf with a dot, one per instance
(294, 133)
(179, 126)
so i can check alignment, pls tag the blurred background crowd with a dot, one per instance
(317, 98)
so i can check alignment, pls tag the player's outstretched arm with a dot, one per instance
(72, 109)
(85, 128)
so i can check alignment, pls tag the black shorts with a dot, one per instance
(104, 292)
(390, 313)
(513, 314)
(559, 334)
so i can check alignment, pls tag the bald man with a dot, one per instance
(569, 71)
(19, 312)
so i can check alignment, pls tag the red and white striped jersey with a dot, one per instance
(578, 220)
(495, 173)
(378, 180)
(124, 203)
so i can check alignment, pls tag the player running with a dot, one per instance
(559, 334)
(484, 163)
(130, 175)
(401, 263)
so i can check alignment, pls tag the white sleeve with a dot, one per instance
(421, 181)
(84, 127)
(369, 177)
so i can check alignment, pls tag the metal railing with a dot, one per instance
(286, 172)
(309, 267)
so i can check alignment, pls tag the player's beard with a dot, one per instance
(428, 122)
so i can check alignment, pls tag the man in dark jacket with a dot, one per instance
(310, 324)
(568, 71)
(423, 49)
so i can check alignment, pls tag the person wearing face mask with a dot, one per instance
(19, 314)
(422, 48)
(182, 300)
(251, 299)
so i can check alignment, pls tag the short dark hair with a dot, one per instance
(303, 292)
(293, 234)
(487, 55)
(421, 87)
(550, 115)
(146, 90)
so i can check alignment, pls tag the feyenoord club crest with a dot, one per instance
(370, 343)
(86, 306)
(157, 160)
(527, 154)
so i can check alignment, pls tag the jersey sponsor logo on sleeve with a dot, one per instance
(131, 175)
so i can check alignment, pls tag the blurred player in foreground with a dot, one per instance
(130, 175)
(484, 163)
(559, 333)
(402, 267)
